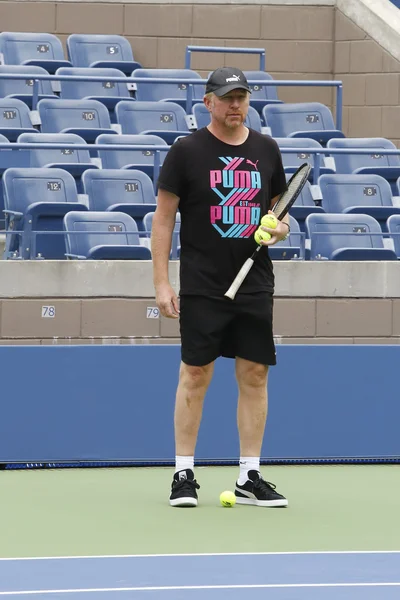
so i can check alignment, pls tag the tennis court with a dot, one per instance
(339, 538)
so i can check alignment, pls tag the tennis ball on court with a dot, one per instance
(227, 499)
(269, 221)
(261, 235)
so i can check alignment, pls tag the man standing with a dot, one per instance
(223, 179)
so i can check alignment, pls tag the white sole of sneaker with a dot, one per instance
(183, 502)
(265, 503)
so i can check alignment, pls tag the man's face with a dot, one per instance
(229, 110)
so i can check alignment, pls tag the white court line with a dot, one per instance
(201, 587)
(288, 553)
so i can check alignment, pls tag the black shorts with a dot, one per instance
(217, 326)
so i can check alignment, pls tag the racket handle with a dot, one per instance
(237, 282)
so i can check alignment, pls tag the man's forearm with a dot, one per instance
(161, 239)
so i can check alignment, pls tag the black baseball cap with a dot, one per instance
(226, 79)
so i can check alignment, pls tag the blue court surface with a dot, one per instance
(276, 576)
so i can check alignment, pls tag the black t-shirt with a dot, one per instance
(224, 191)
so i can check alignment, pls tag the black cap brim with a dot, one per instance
(228, 88)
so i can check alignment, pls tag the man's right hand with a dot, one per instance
(167, 301)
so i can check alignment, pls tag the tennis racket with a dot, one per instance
(280, 209)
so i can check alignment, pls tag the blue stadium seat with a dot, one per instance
(107, 92)
(3, 140)
(40, 49)
(14, 118)
(203, 118)
(293, 160)
(87, 118)
(305, 119)
(75, 162)
(290, 248)
(142, 160)
(122, 190)
(175, 246)
(345, 238)
(36, 200)
(171, 92)
(108, 236)
(398, 187)
(375, 163)
(113, 51)
(22, 89)
(165, 119)
(365, 194)
(261, 95)
(393, 227)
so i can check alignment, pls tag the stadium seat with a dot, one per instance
(165, 119)
(171, 92)
(344, 238)
(261, 95)
(398, 187)
(387, 166)
(175, 246)
(122, 190)
(3, 140)
(14, 118)
(393, 227)
(75, 162)
(40, 49)
(290, 248)
(142, 160)
(22, 89)
(87, 118)
(293, 160)
(107, 51)
(108, 236)
(36, 200)
(107, 92)
(305, 119)
(366, 194)
(203, 118)
(306, 203)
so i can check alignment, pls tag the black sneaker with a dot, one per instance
(258, 492)
(183, 489)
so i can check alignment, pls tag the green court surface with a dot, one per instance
(72, 512)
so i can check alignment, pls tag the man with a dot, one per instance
(223, 179)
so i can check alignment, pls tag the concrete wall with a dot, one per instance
(108, 302)
(369, 71)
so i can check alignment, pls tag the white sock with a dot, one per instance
(246, 464)
(184, 462)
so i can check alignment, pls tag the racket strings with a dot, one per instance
(293, 189)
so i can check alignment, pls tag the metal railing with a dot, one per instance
(222, 50)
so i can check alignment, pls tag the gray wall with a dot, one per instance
(107, 302)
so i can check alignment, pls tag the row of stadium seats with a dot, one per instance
(37, 200)
(162, 90)
(46, 50)
(101, 110)
(294, 153)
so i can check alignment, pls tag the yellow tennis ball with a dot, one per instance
(227, 499)
(269, 221)
(261, 235)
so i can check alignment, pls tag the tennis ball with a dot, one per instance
(261, 235)
(227, 499)
(269, 221)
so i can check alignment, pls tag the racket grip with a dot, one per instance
(237, 282)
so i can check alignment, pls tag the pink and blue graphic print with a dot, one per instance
(237, 215)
